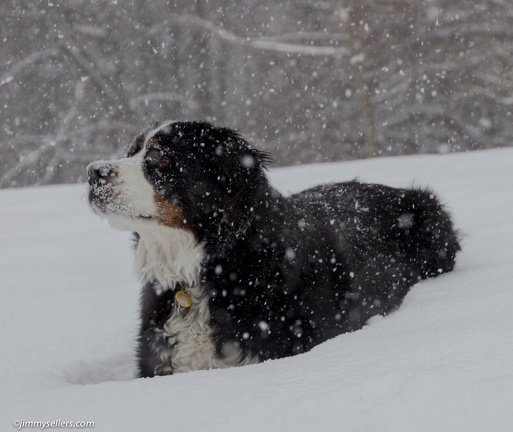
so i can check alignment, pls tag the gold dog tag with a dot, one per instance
(183, 299)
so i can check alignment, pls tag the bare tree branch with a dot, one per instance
(26, 161)
(261, 43)
(100, 82)
(164, 96)
(28, 61)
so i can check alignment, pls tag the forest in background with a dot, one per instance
(309, 81)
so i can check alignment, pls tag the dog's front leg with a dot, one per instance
(155, 344)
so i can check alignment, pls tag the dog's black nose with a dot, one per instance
(100, 170)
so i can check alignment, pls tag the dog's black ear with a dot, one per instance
(242, 165)
(239, 182)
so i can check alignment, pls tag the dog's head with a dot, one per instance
(185, 175)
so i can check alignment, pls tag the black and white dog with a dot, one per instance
(235, 273)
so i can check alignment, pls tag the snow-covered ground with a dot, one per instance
(442, 362)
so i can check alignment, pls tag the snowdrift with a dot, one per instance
(441, 362)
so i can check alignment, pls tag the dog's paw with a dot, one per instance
(163, 370)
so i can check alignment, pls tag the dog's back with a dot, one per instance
(392, 238)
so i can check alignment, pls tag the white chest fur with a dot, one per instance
(189, 339)
(168, 256)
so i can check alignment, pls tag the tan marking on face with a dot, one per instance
(152, 142)
(170, 215)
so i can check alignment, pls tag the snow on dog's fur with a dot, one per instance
(268, 276)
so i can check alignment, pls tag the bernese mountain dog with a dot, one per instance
(235, 273)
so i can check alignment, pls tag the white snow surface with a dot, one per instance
(442, 362)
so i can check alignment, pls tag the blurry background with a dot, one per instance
(309, 81)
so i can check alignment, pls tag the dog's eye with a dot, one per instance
(158, 159)
(164, 160)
